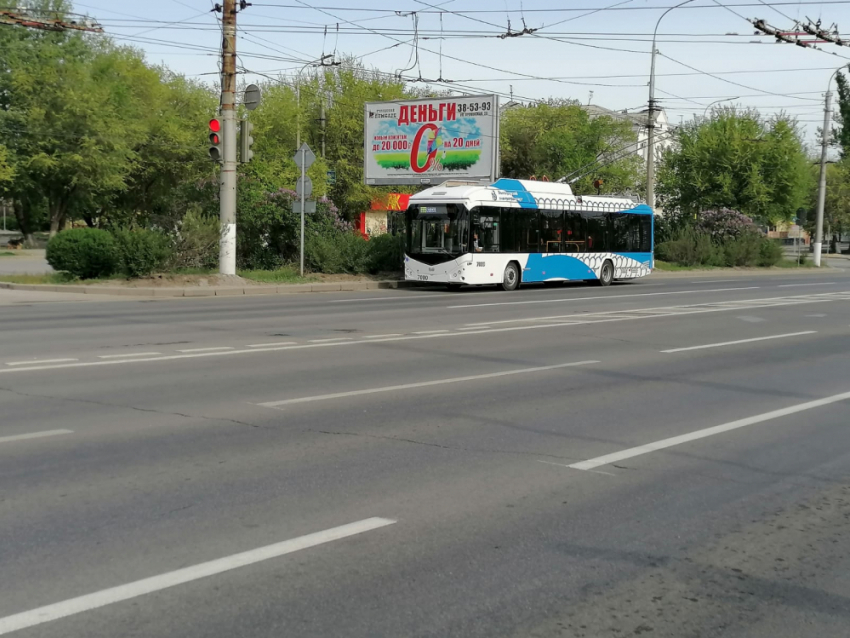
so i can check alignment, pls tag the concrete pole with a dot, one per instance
(650, 124)
(822, 183)
(227, 243)
(303, 200)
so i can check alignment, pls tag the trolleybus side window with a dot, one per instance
(551, 231)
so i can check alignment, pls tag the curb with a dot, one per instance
(212, 291)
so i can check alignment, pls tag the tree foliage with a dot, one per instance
(841, 133)
(736, 160)
(558, 138)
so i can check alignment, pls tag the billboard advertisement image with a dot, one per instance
(430, 141)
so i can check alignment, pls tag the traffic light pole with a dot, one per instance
(227, 243)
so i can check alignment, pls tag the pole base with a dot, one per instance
(817, 247)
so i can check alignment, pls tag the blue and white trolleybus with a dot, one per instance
(521, 231)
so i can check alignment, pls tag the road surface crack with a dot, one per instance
(439, 445)
(129, 407)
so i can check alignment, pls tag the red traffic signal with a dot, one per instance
(215, 140)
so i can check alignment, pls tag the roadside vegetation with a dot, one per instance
(133, 184)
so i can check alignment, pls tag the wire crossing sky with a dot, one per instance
(594, 51)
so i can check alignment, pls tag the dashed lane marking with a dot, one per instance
(33, 435)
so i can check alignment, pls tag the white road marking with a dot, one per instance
(129, 354)
(33, 435)
(568, 299)
(735, 343)
(272, 345)
(822, 283)
(817, 316)
(670, 311)
(701, 434)
(206, 349)
(422, 384)
(476, 327)
(330, 340)
(117, 594)
(714, 281)
(429, 332)
(37, 362)
(391, 298)
(750, 319)
(392, 334)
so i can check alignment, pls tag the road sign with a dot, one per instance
(304, 155)
(304, 186)
(252, 97)
(309, 207)
(331, 178)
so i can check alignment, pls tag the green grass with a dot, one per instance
(666, 266)
(285, 275)
(48, 279)
(6, 253)
(788, 263)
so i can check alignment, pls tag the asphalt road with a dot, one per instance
(660, 458)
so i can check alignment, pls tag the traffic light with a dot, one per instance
(215, 140)
(246, 141)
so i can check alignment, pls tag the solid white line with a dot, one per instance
(826, 283)
(33, 435)
(37, 362)
(112, 595)
(133, 354)
(475, 327)
(206, 349)
(330, 340)
(714, 281)
(389, 297)
(734, 343)
(429, 332)
(701, 434)
(645, 294)
(423, 384)
(394, 334)
(272, 345)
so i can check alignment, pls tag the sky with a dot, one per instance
(589, 50)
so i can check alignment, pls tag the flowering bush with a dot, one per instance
(724, 224)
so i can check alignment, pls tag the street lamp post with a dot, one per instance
(825, 135)
(726, 99)
(650, 125)
(318, 62)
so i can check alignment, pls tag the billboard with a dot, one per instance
(430, 141)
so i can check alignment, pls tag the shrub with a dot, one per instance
(196, 241)
(141, 252)
(386, 253)
(724, 224)
(743, 250)
(770, 253)
(83, 252)
(337, 252)
(690, 247)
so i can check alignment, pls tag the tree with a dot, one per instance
(841, 134)
(558, 138)
(736, 160)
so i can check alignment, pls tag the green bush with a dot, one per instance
(141, 252)
(83, 252)
(386, 253)
(770, 253)
(196, 241)
(744, 250)
(338, 252)
(690, 248)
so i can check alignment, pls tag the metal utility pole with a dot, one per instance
(227, 243)
(650, 124)
(827, 111)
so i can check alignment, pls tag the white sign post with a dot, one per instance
(304, 158)
(431, 141)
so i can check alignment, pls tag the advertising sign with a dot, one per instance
(430, 141)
